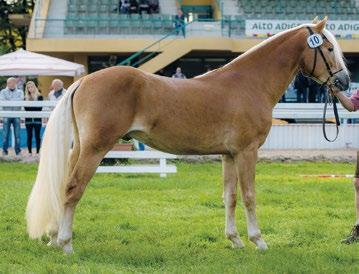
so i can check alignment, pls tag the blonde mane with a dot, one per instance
(331, 38)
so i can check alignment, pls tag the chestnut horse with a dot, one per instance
(227, 111)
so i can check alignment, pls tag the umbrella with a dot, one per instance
(27, 63)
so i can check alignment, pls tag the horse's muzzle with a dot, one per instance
(341, 80)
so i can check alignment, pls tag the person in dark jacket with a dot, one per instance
(314, 91)
(180, 23)
(33, 124)
(144, 5)
(301, 85)
(133, 6)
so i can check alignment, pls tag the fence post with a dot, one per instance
(163, 164)
(347, 141)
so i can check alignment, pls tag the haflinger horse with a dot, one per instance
(227, 111)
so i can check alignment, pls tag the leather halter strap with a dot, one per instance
(329, 98)
(331, 74)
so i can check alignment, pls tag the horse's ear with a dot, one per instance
(321, 24)
(315, 20)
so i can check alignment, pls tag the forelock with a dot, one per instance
(337, 50)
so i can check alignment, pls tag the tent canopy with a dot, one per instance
(27, 63)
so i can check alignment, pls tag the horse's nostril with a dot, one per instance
(338, 83)
(341, 81)
(342, 84)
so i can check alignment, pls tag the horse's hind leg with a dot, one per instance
(89, 158)
(230, 200)
(53, 232)
(98, 131)
(246, 164)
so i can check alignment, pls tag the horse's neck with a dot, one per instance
(270, 67)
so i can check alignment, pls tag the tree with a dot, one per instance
(13, 36)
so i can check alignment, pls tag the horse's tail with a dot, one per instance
(46, 202)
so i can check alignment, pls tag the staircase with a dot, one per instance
(171, 47)
(171, 50)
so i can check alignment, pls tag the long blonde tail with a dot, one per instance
(46, 202)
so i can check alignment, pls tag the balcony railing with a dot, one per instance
(156, 26)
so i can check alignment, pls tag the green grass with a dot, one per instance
(141, 223)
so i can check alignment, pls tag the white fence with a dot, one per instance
(281, 110)
(45, 113)
(163, 168)
(291, 136)
(310, 135)
(309, 111)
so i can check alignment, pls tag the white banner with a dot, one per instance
(260, 27)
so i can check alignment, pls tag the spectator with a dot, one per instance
(180, 23)
(11, 93)
(322, 94)
(144, 6)
(133, 6)
(33, 124)
(301, 85)
(20, 81)
(154, 6)
(314, 91)
(179, 74)
(124, 6)
(57, 90)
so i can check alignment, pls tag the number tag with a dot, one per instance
(315, 40)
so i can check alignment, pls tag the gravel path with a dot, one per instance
(292, 155)
(308, 155)
(347, 155)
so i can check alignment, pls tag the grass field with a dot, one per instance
(175, 225)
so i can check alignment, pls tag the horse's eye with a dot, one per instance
(330, 49)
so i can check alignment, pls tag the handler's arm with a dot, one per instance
(345, 101)
(357, 166)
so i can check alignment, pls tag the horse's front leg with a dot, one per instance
(246, 164)
(230, 200)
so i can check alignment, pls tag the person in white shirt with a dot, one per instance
(57, 90)
(11, 93)
(178, 74)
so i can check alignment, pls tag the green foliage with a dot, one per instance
(11, 36)
(142, 223)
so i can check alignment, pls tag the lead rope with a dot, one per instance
(329, 99)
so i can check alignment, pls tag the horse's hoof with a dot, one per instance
(67, 248)
(237, 243)
(66, 245)
(261, 245)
